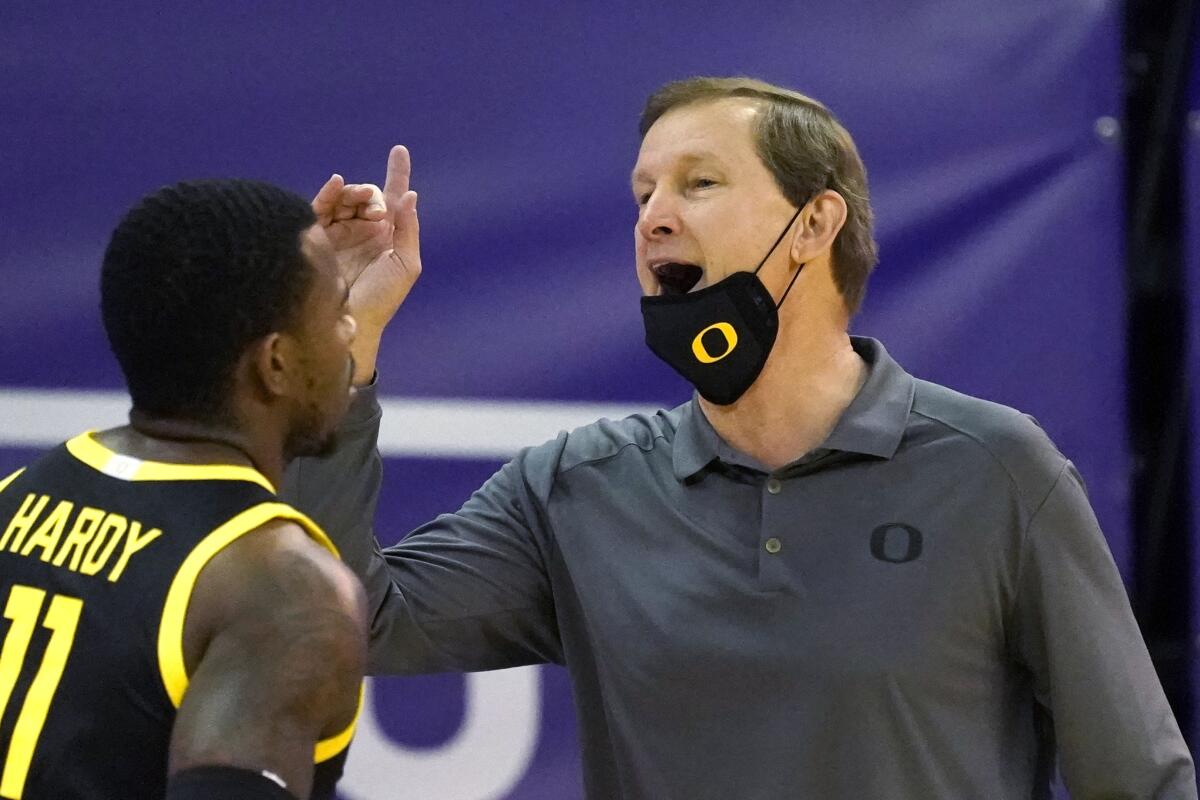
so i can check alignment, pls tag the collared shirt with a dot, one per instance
(919, 608)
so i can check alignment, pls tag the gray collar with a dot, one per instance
(873, 424)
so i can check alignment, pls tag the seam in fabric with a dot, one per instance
(1024, 540)
(984, 446)
(653, 443)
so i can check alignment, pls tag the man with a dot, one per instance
(165, 613)
(820, 578)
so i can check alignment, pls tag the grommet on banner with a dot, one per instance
(1108, 129)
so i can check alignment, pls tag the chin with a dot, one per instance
(309, 444)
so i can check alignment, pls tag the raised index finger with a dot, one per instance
(399, 169)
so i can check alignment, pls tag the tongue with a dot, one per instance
(678, 278)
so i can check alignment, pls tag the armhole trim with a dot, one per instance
(4, 483)
(171, 665)
(328, 748)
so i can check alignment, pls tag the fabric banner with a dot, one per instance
(989, 132)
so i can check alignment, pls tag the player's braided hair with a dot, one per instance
(194, 274)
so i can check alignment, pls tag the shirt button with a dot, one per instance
(773, 545)
(773, 485)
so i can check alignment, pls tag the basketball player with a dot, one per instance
(171, 628)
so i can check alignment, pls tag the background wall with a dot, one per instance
(989, 132)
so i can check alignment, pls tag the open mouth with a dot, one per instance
(676, 278)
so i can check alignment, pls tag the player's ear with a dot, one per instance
(273, 363)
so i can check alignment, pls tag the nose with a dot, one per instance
(659, 217)
(351, 326)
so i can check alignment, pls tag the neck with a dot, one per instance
(188, 441)
(810, 378)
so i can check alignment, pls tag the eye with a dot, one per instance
(703, 183)
(642, 198)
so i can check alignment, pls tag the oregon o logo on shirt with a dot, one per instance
(701, 350)
(896, 543)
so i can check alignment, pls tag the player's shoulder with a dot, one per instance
(53, 463)
(279, 569)
(1011, 438)
(7, 480)
(284, 550)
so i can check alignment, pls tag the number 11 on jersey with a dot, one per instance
(23, 609)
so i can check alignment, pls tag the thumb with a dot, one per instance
(326, 201)
(406, 235)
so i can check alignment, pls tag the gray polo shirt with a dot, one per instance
(924, 607)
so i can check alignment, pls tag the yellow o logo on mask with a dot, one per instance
(701, 352)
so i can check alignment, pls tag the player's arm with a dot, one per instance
(274, 642)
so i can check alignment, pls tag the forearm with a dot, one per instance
(461, 596)
(431, 613)
(466, 592)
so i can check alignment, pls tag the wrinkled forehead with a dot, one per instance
(717, 131)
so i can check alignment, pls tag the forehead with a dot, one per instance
(316, 247)
(714, 130)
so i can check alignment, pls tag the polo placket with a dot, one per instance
(777, 535)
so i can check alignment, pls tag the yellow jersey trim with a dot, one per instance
(4, 483)
(85, 448)
(171, 664)
(328, 748)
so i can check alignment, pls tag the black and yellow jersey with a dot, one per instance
(99, 553)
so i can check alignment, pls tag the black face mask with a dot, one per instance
(719, 337)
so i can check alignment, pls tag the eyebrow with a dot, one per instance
(688, 159)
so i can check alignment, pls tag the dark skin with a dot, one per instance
(275, 634)
(275, 643)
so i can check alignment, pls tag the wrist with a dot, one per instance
(365, 351)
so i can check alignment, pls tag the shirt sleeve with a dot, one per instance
(467, 591)
(476, 583)
(1076, 633)
(340, 490)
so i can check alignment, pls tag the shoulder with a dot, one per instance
(1010, 439)
(537, 469)
(277, 581)
(5, 481)
(283, 552)
(281, 558)
(607, 438)
(602, 440)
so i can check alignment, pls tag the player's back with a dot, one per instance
(99, 553)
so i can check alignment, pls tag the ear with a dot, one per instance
(272, 362)
(820, 222)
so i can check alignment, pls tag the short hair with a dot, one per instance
(807, 150)
(193, 274)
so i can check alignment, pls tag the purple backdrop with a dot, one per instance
(995, 175)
